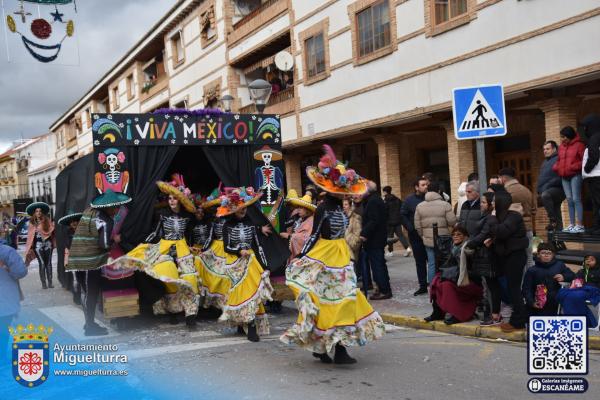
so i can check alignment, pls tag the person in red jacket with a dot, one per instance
(568, 167)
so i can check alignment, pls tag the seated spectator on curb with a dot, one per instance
(542, 282)
(584, 291)
(455, 291)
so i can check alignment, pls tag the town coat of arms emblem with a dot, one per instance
(30, 354)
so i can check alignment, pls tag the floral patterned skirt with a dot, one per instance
(331, 308)
(215, 283)
(250, 288)
(180, 277)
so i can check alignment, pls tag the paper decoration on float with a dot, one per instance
(42, 29)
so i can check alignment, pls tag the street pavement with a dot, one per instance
(214, 362)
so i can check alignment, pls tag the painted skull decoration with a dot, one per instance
(42, 29)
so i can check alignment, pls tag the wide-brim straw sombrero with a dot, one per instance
(304, 201)
(326, 184)
(67, 219)
(110, 199)
(30, 210)
(185, 201)
(277, 155)
(232, 207)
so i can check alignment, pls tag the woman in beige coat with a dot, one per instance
(352, 235)
(434, 210)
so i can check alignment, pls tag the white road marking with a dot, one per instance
(392, 328)
(71, 319)
(179, 348)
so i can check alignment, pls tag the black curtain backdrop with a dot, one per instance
(147, 164)
(74, 191)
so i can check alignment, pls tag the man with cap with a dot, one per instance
(90, 251)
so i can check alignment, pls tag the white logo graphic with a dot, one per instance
(479, 115)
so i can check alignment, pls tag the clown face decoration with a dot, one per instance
(41, 25)
(113, 176)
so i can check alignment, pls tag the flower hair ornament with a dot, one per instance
(333, 176)
(176, 187)
(236, 198)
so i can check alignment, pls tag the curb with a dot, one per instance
(492, 332)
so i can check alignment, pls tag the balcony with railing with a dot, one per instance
(154, 77)
(279, 103)
(259, 12)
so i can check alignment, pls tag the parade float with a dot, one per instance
(210, 149)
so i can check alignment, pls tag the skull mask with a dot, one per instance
(267, 157)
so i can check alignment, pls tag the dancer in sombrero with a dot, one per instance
(245, 264)
(333, 313)
(41, 241)
(301, 221)
(210, 261)
(166, 255)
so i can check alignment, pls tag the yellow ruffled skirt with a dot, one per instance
(331, 309)
(215, 283)
(180, 278)
(250, 288)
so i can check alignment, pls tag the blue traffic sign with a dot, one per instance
(479, 112)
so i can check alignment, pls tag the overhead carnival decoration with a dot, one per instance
(43, 29)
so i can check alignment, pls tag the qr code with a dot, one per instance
(557, 345)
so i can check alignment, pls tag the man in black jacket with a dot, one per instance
(470, 211)
(407, 217)
(374, 237)
(590, 127)
(394, 204)
(549, 186)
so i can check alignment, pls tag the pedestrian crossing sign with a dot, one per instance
(479, 112)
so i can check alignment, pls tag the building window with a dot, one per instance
(115, 97)
(208, 28)
(445, 10)
(315, 55)
(373, 30)
(88, 117)
(130, 87)
(315, 49)
(177, 49)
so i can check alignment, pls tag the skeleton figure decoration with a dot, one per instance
(113, 178)
(268, 178)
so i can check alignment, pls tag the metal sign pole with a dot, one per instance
(481, 165)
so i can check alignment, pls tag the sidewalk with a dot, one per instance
(407, 310)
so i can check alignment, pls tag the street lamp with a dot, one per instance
(227, 102)
(260, 91)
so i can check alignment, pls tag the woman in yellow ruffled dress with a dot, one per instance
(210, 255)
(333, 313)
(166, 256)
(245, 264)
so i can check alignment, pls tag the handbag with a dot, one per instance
(450, 273)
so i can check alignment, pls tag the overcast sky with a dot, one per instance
(34, 95)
